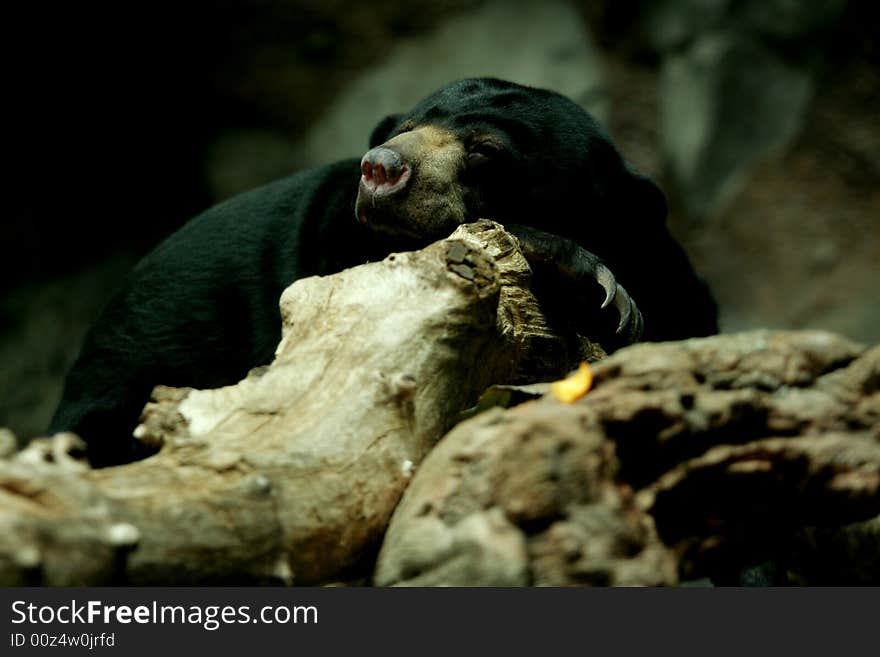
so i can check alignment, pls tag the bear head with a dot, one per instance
(486, 148)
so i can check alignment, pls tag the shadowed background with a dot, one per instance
(757, 117)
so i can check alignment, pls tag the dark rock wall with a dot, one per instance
(760, 120)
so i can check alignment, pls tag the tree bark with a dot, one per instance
(686, 459)
(291, 475)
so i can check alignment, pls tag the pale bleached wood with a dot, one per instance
(291, 475)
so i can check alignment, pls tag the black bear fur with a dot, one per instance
(202, 308)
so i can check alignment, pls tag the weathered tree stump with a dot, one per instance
(291, 475)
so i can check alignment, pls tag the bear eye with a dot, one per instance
(479, 155)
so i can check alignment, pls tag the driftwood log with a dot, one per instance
(291, 476)
(685, 457)
(730, 450)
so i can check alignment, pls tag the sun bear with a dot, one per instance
(202, 309)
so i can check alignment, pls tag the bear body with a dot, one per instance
(202, 308)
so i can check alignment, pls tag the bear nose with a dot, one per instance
(383, 170)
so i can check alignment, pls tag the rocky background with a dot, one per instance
(758, 117)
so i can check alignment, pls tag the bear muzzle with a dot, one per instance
(411, 185)
(383, 172)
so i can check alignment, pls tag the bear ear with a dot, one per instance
(383, 130)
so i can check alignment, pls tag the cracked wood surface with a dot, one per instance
(686, 459)
(291, 475)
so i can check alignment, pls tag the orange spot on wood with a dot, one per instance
(574, 386)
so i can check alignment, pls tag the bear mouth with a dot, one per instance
(384, 177)
(375, 182)
(392, 220)
(378, 198)
(388, 224)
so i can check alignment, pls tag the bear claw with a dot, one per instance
(566, 260)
